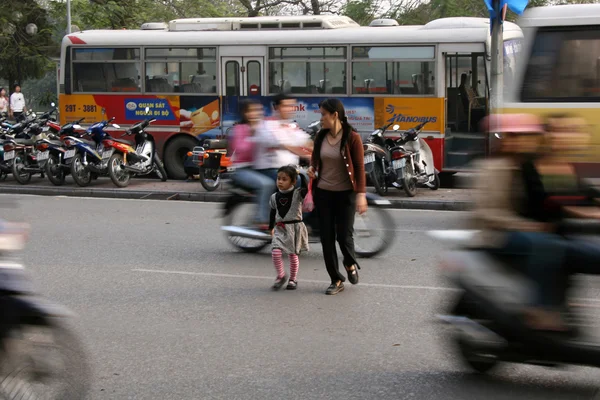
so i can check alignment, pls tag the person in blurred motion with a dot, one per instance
(251, 147)
(3, 103)
(295, 142)
(289, 233)
(521, 196)
(338, 170)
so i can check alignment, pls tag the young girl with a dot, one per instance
(288, 230)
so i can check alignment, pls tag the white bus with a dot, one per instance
(560, 68)
(193, 72)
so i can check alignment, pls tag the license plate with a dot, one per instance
(369, 158)
(69, 153)
(9, 155)
(107, 153)
(397, 164)
(43, 155)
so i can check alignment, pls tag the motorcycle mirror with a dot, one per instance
(498, 135)
(103, 111)
(116, 126)
(147, 109)
(396, 127)
(53, 104)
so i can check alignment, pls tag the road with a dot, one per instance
(168, 310)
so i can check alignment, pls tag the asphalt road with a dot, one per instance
(168, 310)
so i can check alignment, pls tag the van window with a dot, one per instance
(564, 66)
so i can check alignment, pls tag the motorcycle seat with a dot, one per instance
(122, 141)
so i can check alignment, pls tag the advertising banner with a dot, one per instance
(409, 112)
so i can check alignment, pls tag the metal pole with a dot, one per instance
(68, 17)
(497, 54)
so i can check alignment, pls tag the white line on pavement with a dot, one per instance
(377, 285)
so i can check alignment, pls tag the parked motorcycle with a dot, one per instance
(41, 356)
(412, 161)
(54, 161)
(378, 160)
(374, 231)
(26, 161)
(145, 160)
(94, 158)
(212, 161)
(486, 315)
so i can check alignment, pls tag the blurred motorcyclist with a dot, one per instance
(522, 194)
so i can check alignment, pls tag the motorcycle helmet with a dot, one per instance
(503, 126)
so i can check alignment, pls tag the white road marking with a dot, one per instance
(377, 285)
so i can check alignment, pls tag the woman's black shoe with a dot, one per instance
(335, 289)
(352, 274)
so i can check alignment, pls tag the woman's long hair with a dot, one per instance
(245, 107)
(332, 106)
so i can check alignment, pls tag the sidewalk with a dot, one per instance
(442, 199)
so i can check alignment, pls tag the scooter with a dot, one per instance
(412, 161)
(40, 355)
(144, 160)
(374, 231)
(485, 321)
(378, 160)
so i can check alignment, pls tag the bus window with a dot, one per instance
(182, 70)
(307, 70)
(401, 70)
(106, 70)
(254, 81)
(232, 78)
(564, 66)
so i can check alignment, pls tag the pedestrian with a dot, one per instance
(3, 102)
(17, 103)
(288, 231)
(338, 170)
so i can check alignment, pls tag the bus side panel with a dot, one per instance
(410, 112)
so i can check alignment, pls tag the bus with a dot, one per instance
(192, 73)
(559, 72)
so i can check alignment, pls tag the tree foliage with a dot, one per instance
(24, 56)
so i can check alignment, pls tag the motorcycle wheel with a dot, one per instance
(376, 226)
(210, 179)
(159, 168)
(436, 182)
(378, 179)
(242, 214)
(43, 360)
(481, 363)
(409, 182)
(81, 175)
(55, 173)
(3, 176)
(118, 175)
(17, 169)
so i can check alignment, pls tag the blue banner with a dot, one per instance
(135, 109)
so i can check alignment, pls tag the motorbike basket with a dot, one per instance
(212, 160)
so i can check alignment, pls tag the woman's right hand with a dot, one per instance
(311, 172)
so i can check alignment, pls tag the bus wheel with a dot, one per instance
(175, 154)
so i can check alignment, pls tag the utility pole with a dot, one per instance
(497, 54)
(68, 17)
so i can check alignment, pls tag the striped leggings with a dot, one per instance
(277, 256)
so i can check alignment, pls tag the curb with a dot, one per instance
(434, 205)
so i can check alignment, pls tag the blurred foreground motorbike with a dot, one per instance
(486, 314)
(41, 358)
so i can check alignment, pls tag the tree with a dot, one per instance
(22, 55)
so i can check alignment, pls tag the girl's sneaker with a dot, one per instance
(292, 285)
(279, 282)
